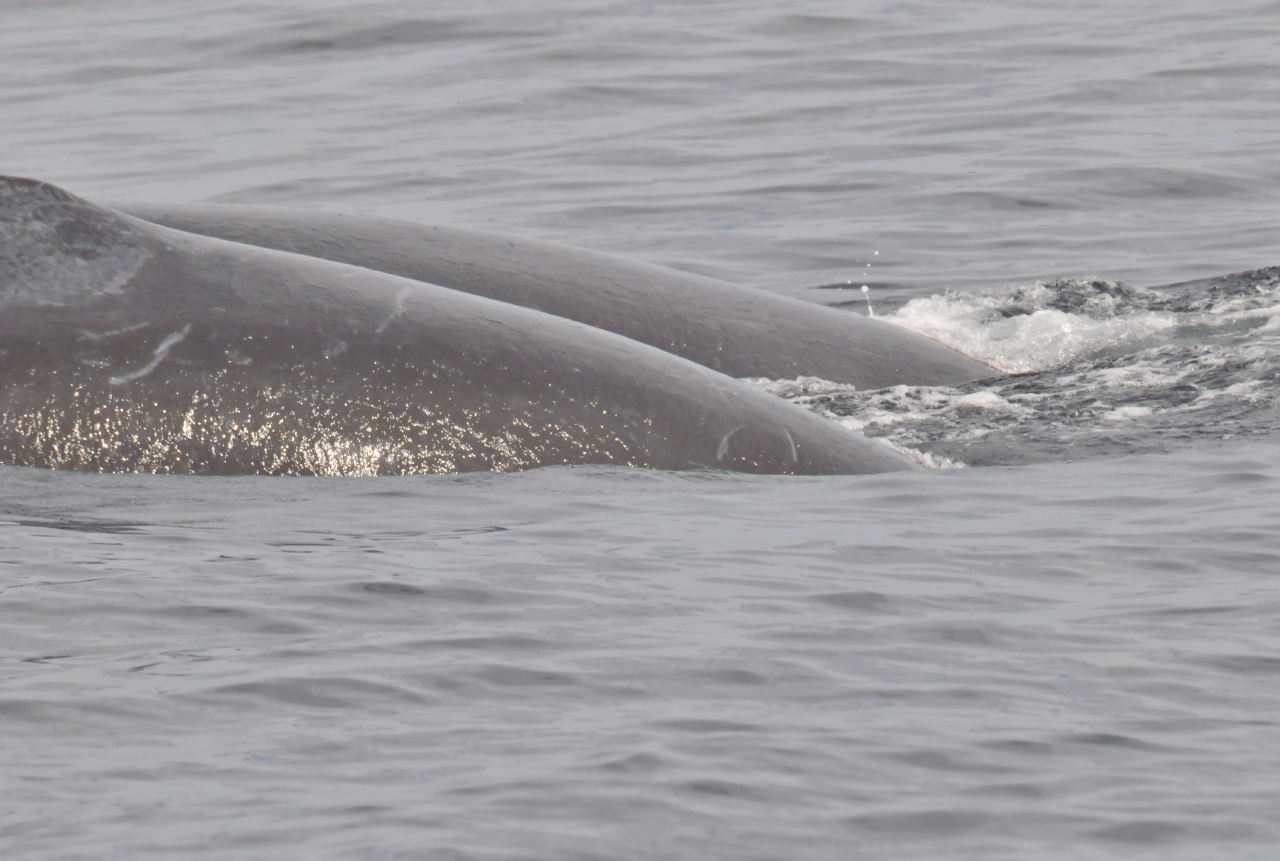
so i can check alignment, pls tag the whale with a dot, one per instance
(739, 331)
(129, 346)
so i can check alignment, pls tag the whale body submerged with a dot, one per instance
(129, 346)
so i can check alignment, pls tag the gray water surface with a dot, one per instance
(1072, 658)
(777, 143)
(1059, 661)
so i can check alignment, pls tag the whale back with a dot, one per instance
(737, 330)
(54, 249)
(128, 346)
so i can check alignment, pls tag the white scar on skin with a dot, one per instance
(157, 356)
(399, 309)
(723, 450)
(86, 335)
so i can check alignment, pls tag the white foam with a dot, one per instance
(985, 399)
(1026, 342)
(1248, 390)
(881, 408)
(1121, 414)
(922, 458)
(1104, 356)
(801, 388)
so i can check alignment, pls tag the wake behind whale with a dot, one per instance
(127, 346)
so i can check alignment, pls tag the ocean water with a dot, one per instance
(1059, 641)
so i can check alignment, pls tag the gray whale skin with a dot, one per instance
(732, 329)
(126, 346)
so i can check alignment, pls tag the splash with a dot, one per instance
(1098, 368)
(1038, 327)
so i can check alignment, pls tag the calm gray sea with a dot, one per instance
(1069, 648)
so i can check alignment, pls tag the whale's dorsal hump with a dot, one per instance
(56, 249)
